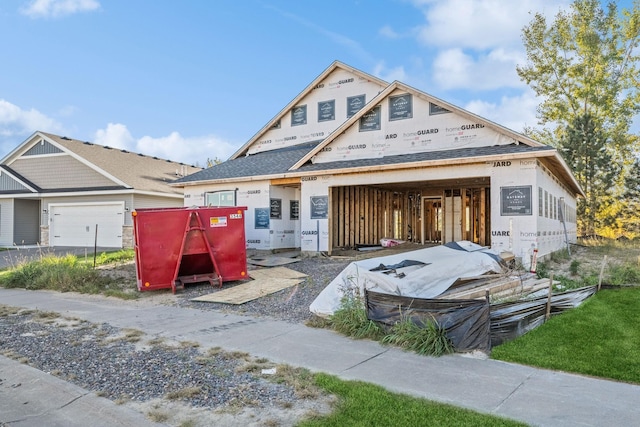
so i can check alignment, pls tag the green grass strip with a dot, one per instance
(600, 338)
(363, 404)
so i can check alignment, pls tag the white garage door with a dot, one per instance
(75, 225)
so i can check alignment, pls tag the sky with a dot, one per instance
(193, 80)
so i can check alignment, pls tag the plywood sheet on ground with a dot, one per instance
(272, 261)
(266, 281)
(276, 272)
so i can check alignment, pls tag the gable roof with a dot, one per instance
(334, 66)
(396, 85)
(297, 161)
(126, 170)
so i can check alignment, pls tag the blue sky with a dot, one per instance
(195, 79)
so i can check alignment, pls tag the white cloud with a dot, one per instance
(513, 112)
(456, 69)
(116, 135)
(190, 150)
(388, 32)
(476, 44)
(479, 24)
(58, 8)
(389, 74)
(14, 121)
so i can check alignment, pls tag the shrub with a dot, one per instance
(428, 338)
(573, 268)
(351, 320)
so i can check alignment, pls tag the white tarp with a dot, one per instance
(425, 273)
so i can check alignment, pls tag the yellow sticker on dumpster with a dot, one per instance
(218, 221)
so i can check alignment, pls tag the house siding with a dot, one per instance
(142, 201)
(7, 184)
(59, 172)
(43, 147)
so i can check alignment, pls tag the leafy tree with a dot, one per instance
(585, 66)
(213, 162)
(630, 216)
(585, 149)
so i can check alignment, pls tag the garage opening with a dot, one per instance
(420, 212)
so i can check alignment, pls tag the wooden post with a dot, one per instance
(604, 262)
(548, 313)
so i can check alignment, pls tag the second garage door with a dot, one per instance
(75, 225)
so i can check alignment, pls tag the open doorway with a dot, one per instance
(432, 219)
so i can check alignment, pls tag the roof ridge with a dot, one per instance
(122, 150)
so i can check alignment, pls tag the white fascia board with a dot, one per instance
(16, 152)
(91, 193)
(395, 166)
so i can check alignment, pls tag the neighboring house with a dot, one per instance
(56, 191)
(353, 159)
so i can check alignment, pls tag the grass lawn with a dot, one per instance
(363, 404)
(599, 338)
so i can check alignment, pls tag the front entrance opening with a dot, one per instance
(423, 212)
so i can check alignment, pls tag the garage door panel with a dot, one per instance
(76, 225)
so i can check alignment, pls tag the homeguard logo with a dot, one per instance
(341, 82)
(500, 233)
(253, 191)
(253, 241)
(472, 126)
(420, 132)
(319, 86)
(391, 136)
(309, 233)
(357, 147)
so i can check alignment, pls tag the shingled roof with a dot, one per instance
(137, 171)
(268, 163)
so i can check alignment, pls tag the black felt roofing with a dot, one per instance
(279, 161)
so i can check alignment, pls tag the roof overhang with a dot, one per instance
(550, 158)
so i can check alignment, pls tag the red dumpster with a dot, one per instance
(175, 246)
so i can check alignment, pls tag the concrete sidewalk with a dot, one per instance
(535, 396)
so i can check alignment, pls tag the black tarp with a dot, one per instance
(466, 321)
(473, 324)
